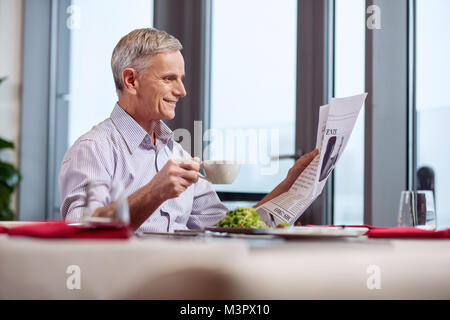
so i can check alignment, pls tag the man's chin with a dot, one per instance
(170, 116)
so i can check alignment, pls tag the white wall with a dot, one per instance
(10, 65)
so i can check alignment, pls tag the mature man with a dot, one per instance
(135, 147)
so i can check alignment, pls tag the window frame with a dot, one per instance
(387, 61)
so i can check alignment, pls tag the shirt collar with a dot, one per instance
(134, 134)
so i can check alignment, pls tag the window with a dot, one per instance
(432, 101)
(101, 25)
(349, 59)
(253, 85)
(94, 28)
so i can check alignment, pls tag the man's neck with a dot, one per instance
(148, 126)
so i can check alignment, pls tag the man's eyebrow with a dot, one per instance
(171, 75)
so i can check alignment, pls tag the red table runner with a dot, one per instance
(62, 230)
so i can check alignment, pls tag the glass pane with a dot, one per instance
(349, 80)
(433, 100)
(253, 89)
(97, 26)
(231, 205)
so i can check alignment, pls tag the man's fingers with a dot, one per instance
(312, 155)
(306, 159)
(185, 182)
(105, 212)
(189, 164)
(190, 175)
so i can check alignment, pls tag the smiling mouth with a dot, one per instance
(171, 102)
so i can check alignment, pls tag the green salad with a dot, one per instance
(242, 218)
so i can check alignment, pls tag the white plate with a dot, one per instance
(302, 232)
(298, 232)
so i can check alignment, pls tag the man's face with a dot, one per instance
(161, 86)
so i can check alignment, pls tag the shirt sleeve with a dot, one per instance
(84, 167)
(207, 209)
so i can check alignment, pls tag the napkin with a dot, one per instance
(407, 232)
(62, 230)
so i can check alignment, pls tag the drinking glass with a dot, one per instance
(96, 190)
(417, 209)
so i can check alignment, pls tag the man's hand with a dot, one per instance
(174, 178)
(300, 165)
(293, 174)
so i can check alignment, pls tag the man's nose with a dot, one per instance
(180, 91)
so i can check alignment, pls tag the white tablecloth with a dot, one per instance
(214, 268)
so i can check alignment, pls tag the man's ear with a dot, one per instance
(129, 80)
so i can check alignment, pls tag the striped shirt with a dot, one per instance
(119, 150)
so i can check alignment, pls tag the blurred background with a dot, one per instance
(261, 65)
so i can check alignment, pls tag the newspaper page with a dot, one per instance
(336, 123)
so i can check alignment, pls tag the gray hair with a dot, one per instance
(134, 49)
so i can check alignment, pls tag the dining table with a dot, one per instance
(218, 265)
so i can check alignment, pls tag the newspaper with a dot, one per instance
(336, 123)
